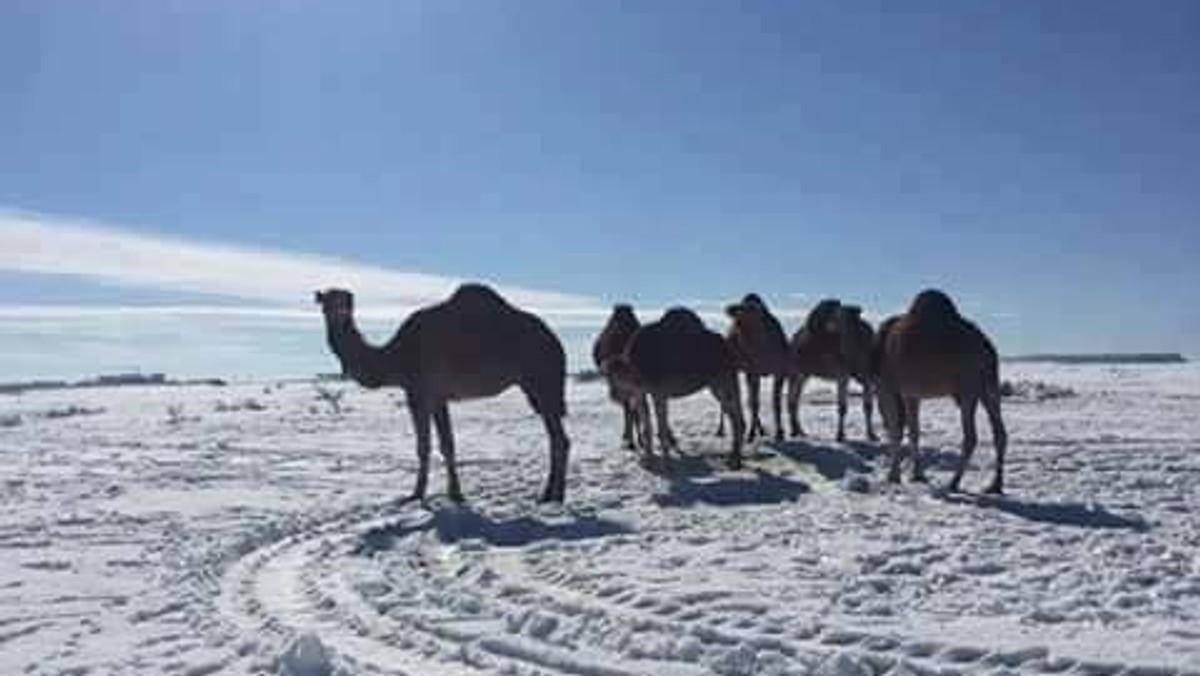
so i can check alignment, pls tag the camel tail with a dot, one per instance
(991, 376)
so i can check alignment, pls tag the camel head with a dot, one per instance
(750, 303)
(621, 376)
(336, 304)
(824, 317)
(622, 313)
(933, 304)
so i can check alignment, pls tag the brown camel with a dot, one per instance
(611, 342)
(472, 345)
(834, 344)
(932, 351)
(761, 349)
(674, 357)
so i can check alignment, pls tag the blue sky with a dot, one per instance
(1037, 160)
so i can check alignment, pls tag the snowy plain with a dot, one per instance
(254, 529)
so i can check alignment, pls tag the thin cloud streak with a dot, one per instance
(274, 284)
(37, 243)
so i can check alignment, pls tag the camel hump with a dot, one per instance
(753, 299)
(933, 304)
(476, 295)
(623, 315)
(681, 319)
(879, 344)
(821, 316)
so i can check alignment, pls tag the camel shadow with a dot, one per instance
(452, 524)
(696, 479)
(934, 458)
(832, 462)
(1075, 514)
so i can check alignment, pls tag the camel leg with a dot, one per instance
(721, 424)
(912, 411)
(420, 420)
(756, 426)
(666, 440)
(637, 409)
(441, 420)
(627, 434)
(991, 403)
(795, 391)
(560, 446)
(868, 405)
(777, 405)
(730, 399)
(966, 407)
(841, 408)
(892, 409)
(646, 430)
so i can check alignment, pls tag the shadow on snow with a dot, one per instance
(1076, 514)
(454, 523)
(700, 479)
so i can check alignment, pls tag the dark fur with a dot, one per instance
(674, 357)
(474, 344)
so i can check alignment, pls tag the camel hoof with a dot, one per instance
(456, 497)
(734, 462)
(841, 438)
(873, 438)
(779, 437)
(953, 487)
(893, 478)
(994, 489)
(415, 496)
(920, 479)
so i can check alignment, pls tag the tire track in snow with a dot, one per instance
(423, 606)
(296, 586)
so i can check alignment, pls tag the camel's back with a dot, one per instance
(477, 344)
(675, 358)
(857, 344)
(939, 355)
(817, 353)
(760, 343)
(477, 296)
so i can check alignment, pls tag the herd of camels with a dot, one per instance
(475, 344)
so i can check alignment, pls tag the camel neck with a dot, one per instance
(360, 360)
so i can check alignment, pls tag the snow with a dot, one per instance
(256, 529)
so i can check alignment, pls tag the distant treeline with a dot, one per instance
(118, 380)
(1105, 358)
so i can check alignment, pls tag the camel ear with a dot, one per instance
(318, 297)
(733, 310)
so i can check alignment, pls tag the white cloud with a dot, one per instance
(36, 243)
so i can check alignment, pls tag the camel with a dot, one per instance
(611, 342)
(761, 349)
(674, 357)
(834, 344)
(932, 351)
(472, 345)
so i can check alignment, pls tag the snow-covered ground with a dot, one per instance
(253, 529)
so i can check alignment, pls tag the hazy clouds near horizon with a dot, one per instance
(192, 346)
